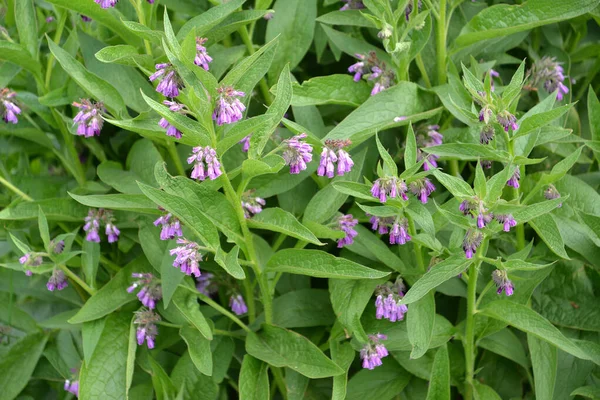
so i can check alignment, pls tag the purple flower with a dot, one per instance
(373, 351)
(57, 281)
(297, 153)
(374, 70)
(483, 219)
(106, 3)
(486, 164)
(551, 73)
(163, 123)
(551, 193)
(251, 204)
(352, 5)
(8, 108)
(49, 19)
(381, 224)
(150, 292)
(269, 16)
(205, 285)
(399, 232)
(389, 187)
(500, 278)
(202, 58)
(388, 301)
(409, 8)
(237, 304)
(467, 206)
(422, 188)
(187, 257)
(485, 114)
(112, 232)
(346, 224)
(329, 157)
(170, 82)
(507, 220)
(472, 241)
(85, 18)
(245, 142)
(171, 227)
(146, 327)
(72, 387)
(57, 246)
(507, 120)
(486, 135)
(206, 163)
(359, 68)
(92, 225)
(89, 118)
(30, 260)
(229, 108)
(514, 179)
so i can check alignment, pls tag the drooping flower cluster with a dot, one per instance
(107, 3)
(92, 225)
(514, 179)
(297, 153)
(85, 18)
(391, 187)
(506, 220)
(202, 58)
(551, 193)
(206, 163)
(163, 123)
(57, 246)
(72, 387)
(89, 119)
(422, 188)
(352, 5)
(551, 73)
(237, 304)
(346, 224)
(57, 281)
(399, 232)
(472, 241)
(146, 327)
(486, 135)
(475, 207)
(245, 142)
(151, 290)
(229, 108)
(170, 82)
(251, 204)
(381, 224)
(205, 284)
(388, 301)
(171, 227)
(30, 260)
(187, 257)
(428, 136)
(502, 282)
(373, 69)
(507, 120)
(333, 153)
(409, 8)
(372, 353)
(8, 108)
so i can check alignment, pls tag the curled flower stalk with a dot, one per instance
(92, 225)
(237, 304)
(146, 330)
(428, 136)
(252, 205)
(206, 285)
(169, 81)
(170, 227)
(206, 163)
(202, 58)
(171, 130)
(399, 232)
(106, 3)
(8, 108)
(370, 67)
(514, 179)
(245, 142)
(187, 257)
(346, 224)
(57, 281)
(471, 242)
(503, 284)
(333, 152)
(551, 73)
(89, 119)
(388, 301)
(150, 289)
(506, 220)
(373, 351)
(551, 193)
(229, 108)
(391, 187)
(297, 153)
(352, 5)
(422, 189)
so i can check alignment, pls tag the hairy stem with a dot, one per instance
(77, 279)
(440, 35)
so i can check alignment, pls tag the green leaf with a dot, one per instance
(331, 89)
(536, 121)
(17, 55)
(382, 383)
(123, 54)
(268, 165)
(378, 112)
(43, 227)
(195, 385)
(480, 184)
(131, 352)
(503, 19)
(18, 363)
(90, 334)
(112, 295)
(513, 89)
(27, 26)
(143, 32)
(254, 379)
(319, 265)
(283, 348)
(89, 261)
(232, 23)
(96, 87)
(240, 130)
(536, 210)
(352, 46)
(419, 323)
(484, 392)
(468, 151)
(439, 383)
(456, 186)
(163, 387)
(342, 355)
(593, 114)
(251, 69)
(303, 308)
(545, 226)
(472, 83)
(527, 320)
(389, 166)
(204, 22)
(380, 251)
(355, 189)
(437, 275)
(346, 17)
(592, 392)
(199, 349)
(126, 202)
(506, 344)
(105, 374)
(410, 153)
(277, 220)
(495, 185)
(295, 25)
(544, 360)
(296, 385)
(189, 307)
(561, 168)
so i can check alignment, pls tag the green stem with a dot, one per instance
(418, 252)
(221, 332)
(440, 34)
(15, 189)
(454, 170)
(103, 260)
(139, 8)
(520, 230)
(77, 279)
(279, 241)
(57, 35)
(423, 70)
(279, 381)
(264, 88)
(170, 325)
(176, 160)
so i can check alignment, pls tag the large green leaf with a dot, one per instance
(199, 349)
(190, 309)
(18, 363)
(382, 383)
(277, 220)
(419, 323)
(439, 383)
(303, 308)
(254, 379)
(27, 26)
(544, 359)
(17, 55)
(331, 89)
(342, 355)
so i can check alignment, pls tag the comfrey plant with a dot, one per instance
(299, 199)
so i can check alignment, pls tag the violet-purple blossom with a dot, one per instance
(170, 227)
(206, 163)
(399, 232)
(89, 119)
(391, 187)
(151, 290)
(471, 242)
(514, 179)
(187, 257)
(381, 224)
(388, 301)
(297, 153)
(237, 304)
(252, 204)
(352, 5)
(551, 73)
(30, 260)
(503, 284)
(92, 225)
(106, 3)
(171, 130)
(422, 188)
(346, 224)
(372, 69)
(245, 142)
(486, 135)
(202, 58)
(552, 193)
(8, 108)
(373, 351)
(506, 220)
(57, 281)
(57, 246)
(72, 387)
(228, 108)
(85, 18)
(206, 285)
(146, 331)
(507, 121)
(170, 82)
(333, 153)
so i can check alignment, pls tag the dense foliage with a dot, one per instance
(299, 199)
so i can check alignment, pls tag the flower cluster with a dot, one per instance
(187, 257)
(333, 153)
(373, 69)
(475, 207)
(146, 327)
(346, 224)
(506, 220)
(251, 204)
(8, 108)
(514, 179)
(171, 227)
(409, 8)
(502, 282)
(206, 163)
(202, 58)
(428, 136)
(391, 187)
(170, 82)
(352, 5)
(150, 292)
(471, 242)
(372, 353)
(107, 3)
(297, 153)
(72, 387)
(551, 193)
(229, 108)
(57, 281)
(422, 188)
(92, 225)
(551, 73)
(486, 135)
(388, 301)
(399, 232)
(245, 142)
(205, 284)
(237, 304)
(381, 224)
(89, 118)
(163, 123)
(30, 260)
